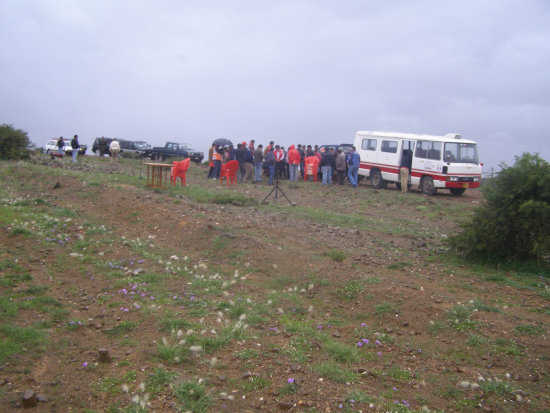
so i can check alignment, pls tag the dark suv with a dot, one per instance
(101, 146)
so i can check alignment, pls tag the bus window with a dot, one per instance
(428, 150)
(389, 146)
(461, 152)
(369, 144)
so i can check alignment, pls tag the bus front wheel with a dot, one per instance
(457, 191)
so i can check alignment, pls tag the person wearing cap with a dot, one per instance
(340, 165)
(293, 163)
(251, 145)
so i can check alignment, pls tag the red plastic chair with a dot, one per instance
(179, 169)
(311, 165)
(229, 171)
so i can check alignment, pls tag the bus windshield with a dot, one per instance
(460, 152)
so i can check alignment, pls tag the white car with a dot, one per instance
(52, 146)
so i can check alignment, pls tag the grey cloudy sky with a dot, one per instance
(303, 71)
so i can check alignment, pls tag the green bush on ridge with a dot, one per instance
(513, 224)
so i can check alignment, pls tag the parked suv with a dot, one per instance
(101, 146)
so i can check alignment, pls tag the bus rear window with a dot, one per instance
(460, 152)
(369, 144)
(389, 146)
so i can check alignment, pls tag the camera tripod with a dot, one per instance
(276, 189)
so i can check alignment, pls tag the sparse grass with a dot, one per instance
(384, 308)
(398, 265)
(193, 396)
(335, 372)
(359, 397)
(246, 354)
(528, 330)
(341, 352)
(350, 290)
(159, 380)
(336, 255)
(20, 231)
(476, 340)
(510, 347)
(255, 383)
(498, 387)
(397, 373)
(18, 339)
(122, 328)
(12, 274)
(174, 322)
(459, 318)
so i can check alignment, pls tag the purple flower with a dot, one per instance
(366, 341)
(359, 344)
(290, 380)
(395, 389)
(379, 353)
(363, 325)
(378, 342)
(85, 364)
(319, 327)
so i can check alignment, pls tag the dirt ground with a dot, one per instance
(407, 290)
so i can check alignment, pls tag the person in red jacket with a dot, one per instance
(293, 163)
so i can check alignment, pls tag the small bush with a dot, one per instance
(513, 224)
(14, 143)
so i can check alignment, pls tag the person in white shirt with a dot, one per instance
(114, 148)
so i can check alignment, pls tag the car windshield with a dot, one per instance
(460, 152)
(141, 145)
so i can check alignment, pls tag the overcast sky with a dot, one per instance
(310, 71)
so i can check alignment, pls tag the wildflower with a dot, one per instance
(85, 364)
(290, 380)
(366, 341)
(379, 354)
(363, 325)
(319, 327)
(378, 342)
(359, 344)
(395, 389)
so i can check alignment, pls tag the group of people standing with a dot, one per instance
(278, 163)
(75, 146)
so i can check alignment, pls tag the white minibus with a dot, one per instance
(447, 161)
